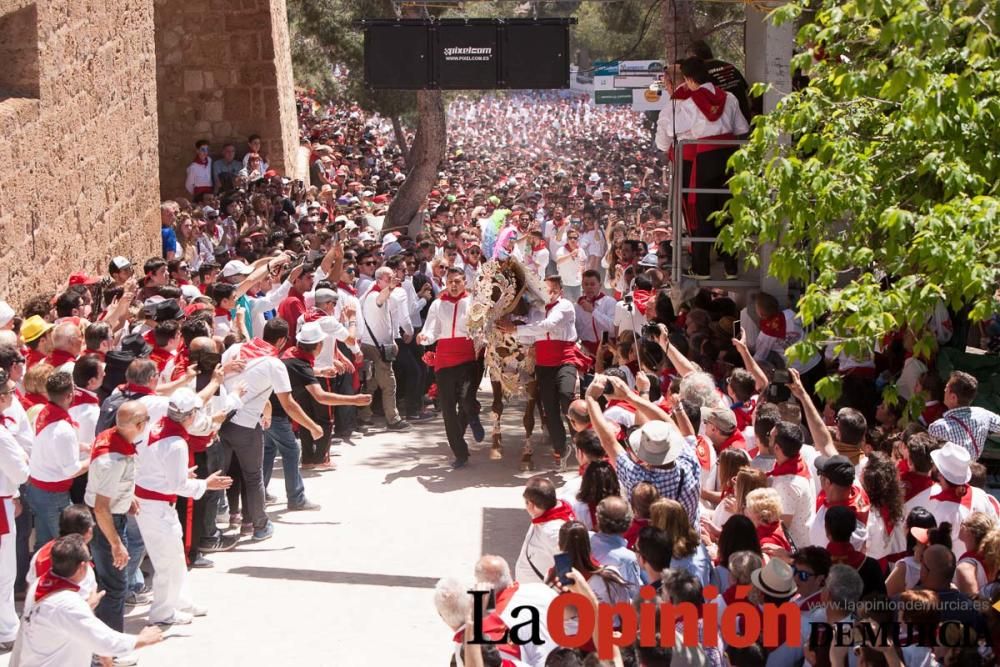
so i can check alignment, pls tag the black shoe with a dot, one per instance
(458, 464)
(365, 423)
(478, 432)
(202, 562)
(422, 417)
(221, 543)
(401, 425)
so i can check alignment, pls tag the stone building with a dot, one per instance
(100, 104)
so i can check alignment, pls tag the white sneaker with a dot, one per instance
(179, 618)
(126, 660)
(196, 611)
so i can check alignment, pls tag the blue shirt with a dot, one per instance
(699, 564)
(613, 551)
(680, 482)
(169, 240)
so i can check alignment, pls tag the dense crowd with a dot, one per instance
(143, 410)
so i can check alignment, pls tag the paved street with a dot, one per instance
(352, 584)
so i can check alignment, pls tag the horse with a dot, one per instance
(503, 287)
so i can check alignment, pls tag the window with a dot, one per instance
(19, 53)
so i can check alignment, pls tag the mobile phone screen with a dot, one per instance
(563, 565)
(737, 329)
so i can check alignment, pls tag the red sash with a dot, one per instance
(4, 519)
(455, 350)
(146, 494)
(554, 353)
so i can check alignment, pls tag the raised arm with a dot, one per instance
(681, 364)
(822, 439)
(760, 378)
(606, 431)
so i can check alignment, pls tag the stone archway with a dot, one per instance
(223, 72)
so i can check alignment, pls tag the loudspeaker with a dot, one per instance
(474, 54)
(535, 55)
(397, 55)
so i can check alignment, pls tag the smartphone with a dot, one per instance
(604, 338)
(563, 564)
(737, 329)
(781, 376)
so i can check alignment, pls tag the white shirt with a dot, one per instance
(198, 176)
(446, 319)
(62, 631)
(684, 120)
(111, 475)
(13, 464)
(798, 498)
(975, 500)
(590, 326)
(56, 454)
(262, 376)
(85, 415)
(767, 343)
(593, 245)
(400, 307)
(817, 531)
(570, 265)
(541, 544)
(376, 318)
(559, 323)
(555, 237)
(263, 304)
(23, 428)
(334, 331)
(884, 540)
(628, 318)
(163, 467)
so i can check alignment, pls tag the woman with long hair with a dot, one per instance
(689, 553)
(921, 531)
(599, 481)
(731, 461)
(738, 534)
(880, 480)
(747, 479)
(970, 572)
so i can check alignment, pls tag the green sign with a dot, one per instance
(613, 96)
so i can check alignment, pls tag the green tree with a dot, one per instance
(877, 182)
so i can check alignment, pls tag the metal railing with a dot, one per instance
(678, 189)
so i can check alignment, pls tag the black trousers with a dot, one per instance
(556, 390)
(316, 450)
(345, 417)
(457, 398)
(410, 372)
(207, 507)
(711, 173)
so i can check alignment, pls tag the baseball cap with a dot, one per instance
(81, 278)
(209, 212)
(838, 469)
(184, 400)
(236, 268)
(310, 333)
(34, 328)
(118, 263)
(324, 295)
(721, 418)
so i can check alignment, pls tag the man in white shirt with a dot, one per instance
(13, 472)
(595, 312)
(700, 110)
(378, 345)
(242, 436)
(570, 261)
(161, 476)
(60, 629)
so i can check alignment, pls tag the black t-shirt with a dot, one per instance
(300, 375)
(727, 77)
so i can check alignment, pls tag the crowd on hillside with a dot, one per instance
(144, 409)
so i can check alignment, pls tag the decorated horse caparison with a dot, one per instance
(505, 287)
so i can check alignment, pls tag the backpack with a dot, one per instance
(109, 408)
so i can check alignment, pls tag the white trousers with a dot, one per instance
(8, 573)
(161, 531)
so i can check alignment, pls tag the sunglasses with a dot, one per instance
(803, 575)
(369, 263)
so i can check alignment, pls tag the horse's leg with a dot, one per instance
(529, 427)
(496, 448)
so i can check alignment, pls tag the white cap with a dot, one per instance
(6, 313)
(190, 292)
(236, 268)
(310, 333)
(324, 295)
(349, 225)
(953, 462)
(389, 238)
(365, 236)
(120, 262)
(594, 177)
(184, 400)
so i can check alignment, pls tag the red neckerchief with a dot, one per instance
(43, 559)
(914, 483)
(6, 419)
(347, 288)
(201, 159)
(313, 314)
(295, 353)
(375, 288)
(51, 583)
(256, 349)
(736, 441)
(584, 299)
(30, 400)
(59, 357)
(161, 357)
(845, 553)
(550, 306)
(96, 353)
(857, 501)
(167, 428)
(111, 441)
(561, 512)
(444, 296)
(624, 405)
(32, 357)
(181, 362)
(774, 326)
(132, 388)
(150, 337)
(886, 515)
(83, 397)
(222, 312)
(793, 466)
(538, 246)
(952, 495)
(710, 103)
(51, 414)
(772, 533)
(641, 299)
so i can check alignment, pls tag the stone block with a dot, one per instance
(213, 111)
(193, 81)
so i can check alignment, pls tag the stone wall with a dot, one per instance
(78, 140)
(223, 72)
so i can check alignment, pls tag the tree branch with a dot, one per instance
(702, 34)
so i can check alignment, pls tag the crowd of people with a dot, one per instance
(143, 410)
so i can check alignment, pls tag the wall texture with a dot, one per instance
(223, 72)
(78, 139)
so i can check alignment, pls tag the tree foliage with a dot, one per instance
(877, 183)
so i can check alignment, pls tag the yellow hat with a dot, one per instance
(34, 328)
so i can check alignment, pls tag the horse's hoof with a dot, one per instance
(496, 453)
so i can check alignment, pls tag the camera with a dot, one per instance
(651, 331)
